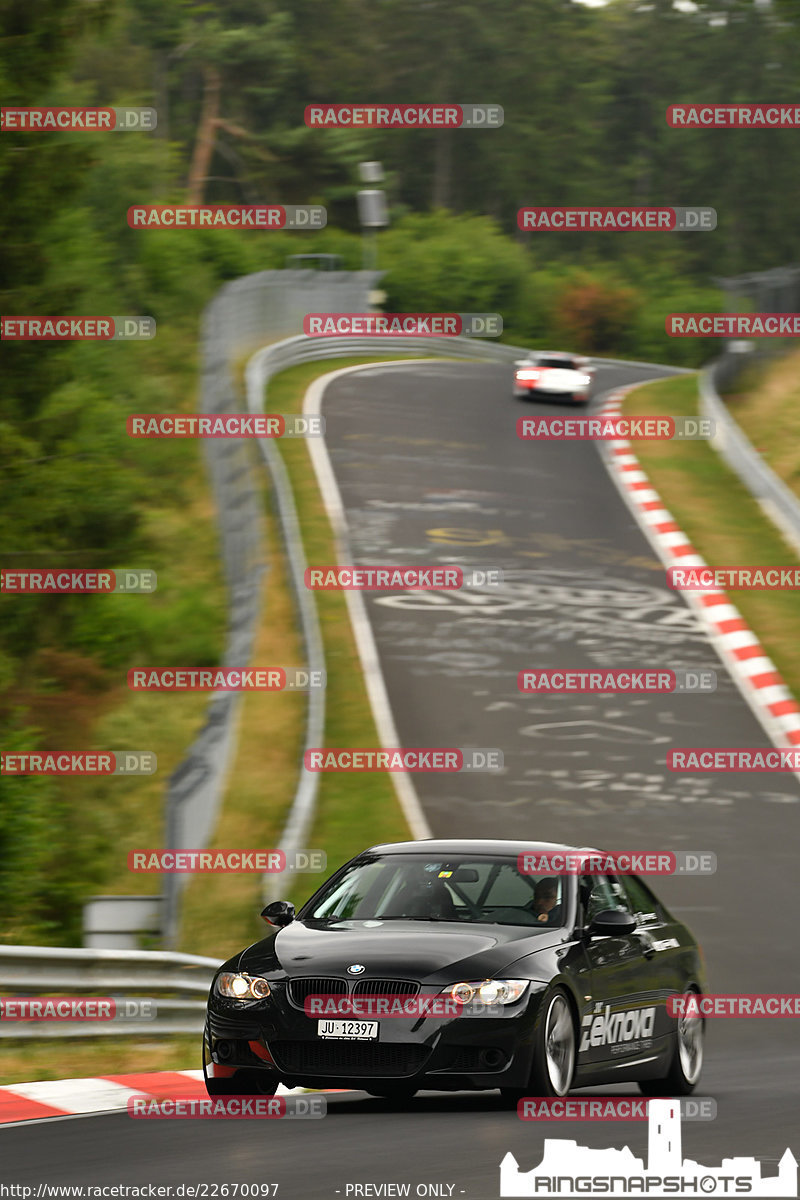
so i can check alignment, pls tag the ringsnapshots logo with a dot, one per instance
(391, 578)
(79, 762)
(614, 428)
(616, 219)
(401, 325)
(225, 679)
(758, 578)
(567, 1169)
(239, 1108)
(733, 116)
(28, 583)
(733, 325)
(223, 425)
(38, 120)
(77, 329)
(718, 758)
(619, 681)
(403, 116)
(618, 862)
(227, 216)
(226, 862)
(425, 759)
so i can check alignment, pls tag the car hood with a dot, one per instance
(402, 949)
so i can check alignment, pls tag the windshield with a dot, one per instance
(479, 890)
(562, 364)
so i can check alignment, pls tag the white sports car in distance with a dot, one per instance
(547, 374)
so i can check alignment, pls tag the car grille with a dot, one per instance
(385, 987)
(300, 989)
(349, 1058)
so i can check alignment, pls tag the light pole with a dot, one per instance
(372, 212)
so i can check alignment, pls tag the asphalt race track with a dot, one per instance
(431, 471)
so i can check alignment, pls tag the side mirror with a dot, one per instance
(280, 913)
(612, 922)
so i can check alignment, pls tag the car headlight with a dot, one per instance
(527, 374)
(584, 380)
(487, 991)
(242, 987)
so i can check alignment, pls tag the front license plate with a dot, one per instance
(358, 1031)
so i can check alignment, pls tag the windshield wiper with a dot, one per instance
(452, 920)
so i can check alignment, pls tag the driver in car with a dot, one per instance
(545, 908)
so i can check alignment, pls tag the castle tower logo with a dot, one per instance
(568, 1169)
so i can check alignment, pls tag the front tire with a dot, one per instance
(555, 1050)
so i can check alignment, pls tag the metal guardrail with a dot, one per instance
(176, 983)
(245, 312)
(777, 501)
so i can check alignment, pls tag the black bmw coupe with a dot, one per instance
(441, 964)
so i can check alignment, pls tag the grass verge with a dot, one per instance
(767, 406)
(720, 517)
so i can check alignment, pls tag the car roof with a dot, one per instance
(478, 846)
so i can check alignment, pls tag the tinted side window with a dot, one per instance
(645, 907)
(600, 892)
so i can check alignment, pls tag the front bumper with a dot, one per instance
(429, 1052)
(534, 391)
